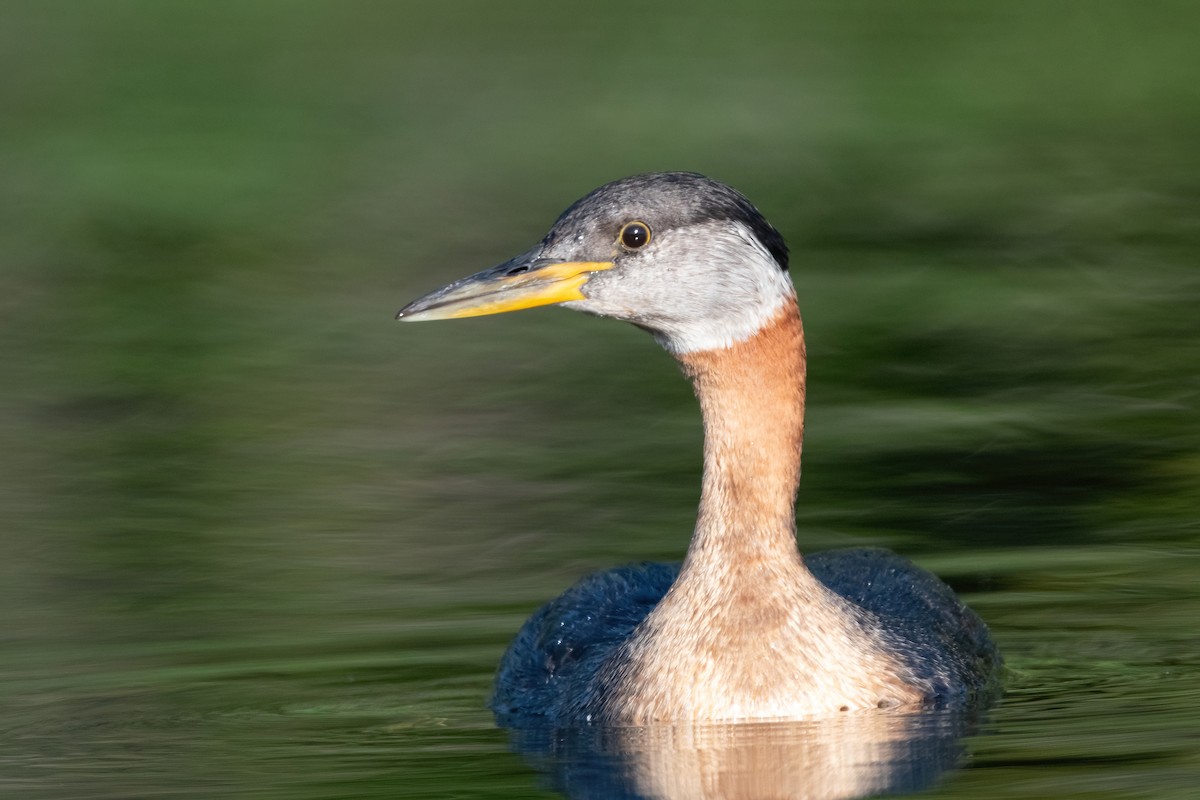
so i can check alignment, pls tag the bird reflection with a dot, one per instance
(851, 755)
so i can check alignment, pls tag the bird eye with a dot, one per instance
(635, 235)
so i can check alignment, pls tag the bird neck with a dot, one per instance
(747, 631)
(752, 400)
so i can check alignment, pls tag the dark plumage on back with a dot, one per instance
(550, 669)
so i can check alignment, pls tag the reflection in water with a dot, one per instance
(852, 755)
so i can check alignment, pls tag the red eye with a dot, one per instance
(635, 235)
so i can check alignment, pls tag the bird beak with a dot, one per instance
(526, 281)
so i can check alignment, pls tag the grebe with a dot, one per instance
(745, 628)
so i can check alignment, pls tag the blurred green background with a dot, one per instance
(257, 539)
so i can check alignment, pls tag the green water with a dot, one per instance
(258, 540)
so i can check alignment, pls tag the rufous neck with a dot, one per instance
(752, 400)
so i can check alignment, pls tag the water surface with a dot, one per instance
(258, 540)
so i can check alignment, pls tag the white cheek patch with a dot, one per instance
(753, 289)
(704, 287)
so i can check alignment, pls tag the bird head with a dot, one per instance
(683, 256)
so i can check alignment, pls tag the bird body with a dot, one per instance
(743, 588)
(745, 628)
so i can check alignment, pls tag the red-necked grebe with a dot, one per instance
(744, 629)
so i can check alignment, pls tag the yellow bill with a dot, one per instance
(524, 282)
